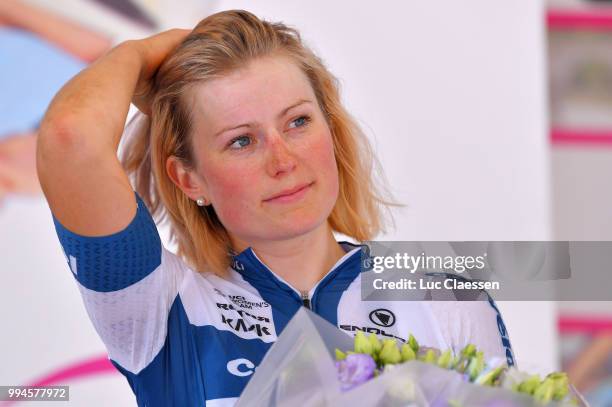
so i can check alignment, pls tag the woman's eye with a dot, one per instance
(240, 142)
(300, 121)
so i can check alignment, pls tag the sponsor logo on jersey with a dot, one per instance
(382, 317)
(240, 367)
(370, 329)
(242, 302)
(238, 323)
(230, 307)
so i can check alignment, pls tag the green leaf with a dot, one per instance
(413, 343)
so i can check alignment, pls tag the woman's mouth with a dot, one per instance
(291, 195)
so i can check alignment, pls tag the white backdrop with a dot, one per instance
(453, 98)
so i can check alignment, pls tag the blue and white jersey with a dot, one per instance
(187, 338)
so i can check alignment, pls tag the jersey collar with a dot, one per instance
(254, 270)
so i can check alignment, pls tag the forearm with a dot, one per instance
(91, 109)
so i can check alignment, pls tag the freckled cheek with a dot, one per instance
(323, 160)
(235, 193)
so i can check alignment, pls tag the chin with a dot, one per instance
(292, 227)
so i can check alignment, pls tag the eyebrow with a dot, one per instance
(281, 114)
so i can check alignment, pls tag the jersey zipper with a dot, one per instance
(305, 299)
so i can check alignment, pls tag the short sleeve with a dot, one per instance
(128, 282)
(113, 262)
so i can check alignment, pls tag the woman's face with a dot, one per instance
(259, 134)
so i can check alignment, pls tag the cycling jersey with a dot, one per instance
(187, 338)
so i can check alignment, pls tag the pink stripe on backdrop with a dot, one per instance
(558, 136)
(94, 366)
(592, 325)
(596, 19)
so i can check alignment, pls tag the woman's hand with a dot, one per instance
(153, 51)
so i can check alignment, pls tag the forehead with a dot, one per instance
(256, 92)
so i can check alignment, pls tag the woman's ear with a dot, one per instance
(186, 179)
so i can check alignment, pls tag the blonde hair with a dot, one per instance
(218, 45)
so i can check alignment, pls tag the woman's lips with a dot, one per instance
(291, 197)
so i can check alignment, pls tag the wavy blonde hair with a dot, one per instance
(218, 45)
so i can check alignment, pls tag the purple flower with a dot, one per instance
(355, 369)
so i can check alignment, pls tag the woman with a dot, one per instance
(249, 153)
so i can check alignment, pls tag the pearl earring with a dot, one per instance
(201, 201)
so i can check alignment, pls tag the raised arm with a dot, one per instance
(127, 280)
(77, 164)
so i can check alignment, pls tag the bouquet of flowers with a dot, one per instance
(313, 363)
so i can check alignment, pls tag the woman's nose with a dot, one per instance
(280, 157)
